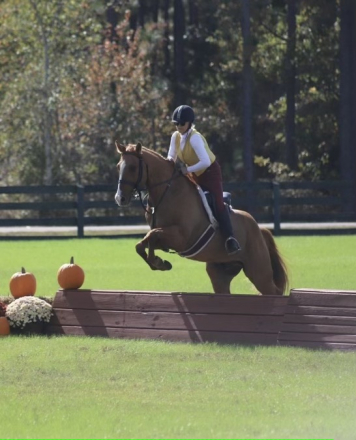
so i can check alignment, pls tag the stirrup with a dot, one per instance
(232, 245)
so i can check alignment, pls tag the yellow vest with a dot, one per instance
(188, 155)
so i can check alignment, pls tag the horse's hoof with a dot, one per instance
(167, 265)
(159, 264)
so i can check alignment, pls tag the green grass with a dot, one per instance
(81, 387)
(77, 387)
(319, 262)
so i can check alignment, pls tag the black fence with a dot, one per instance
(93, 205)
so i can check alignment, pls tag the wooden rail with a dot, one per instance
(307, 318)
(80, 206)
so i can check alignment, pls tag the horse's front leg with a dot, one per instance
(159, 238)
(141, 247)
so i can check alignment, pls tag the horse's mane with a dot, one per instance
(132, 148)
(152, 152)
(145, 150)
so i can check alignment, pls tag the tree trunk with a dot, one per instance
(155, 10)
(167, 56)
(47, 116)
(193, 13)
(247, 91)
(179, 30)
(348, 94)
(142, 13)
(292, 153)
(113, 18)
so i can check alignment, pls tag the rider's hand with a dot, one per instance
(181, 167)
(183, 170)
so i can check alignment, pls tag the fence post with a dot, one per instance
(276, 208)
(80, 211)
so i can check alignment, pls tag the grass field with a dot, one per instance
(94, 388)
(319, 262)
(81, 387)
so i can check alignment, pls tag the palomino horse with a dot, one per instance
(179, 222)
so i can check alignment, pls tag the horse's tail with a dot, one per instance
(280, 272)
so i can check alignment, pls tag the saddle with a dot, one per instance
(209, 204)
(212, 203)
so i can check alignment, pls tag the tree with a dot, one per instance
(45, 33)
(47, 87)
(179, 46)
(72, 90)
(247, 91)
(348, 90)
(117, 74)
(292, 154)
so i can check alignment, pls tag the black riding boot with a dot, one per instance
(231, 244)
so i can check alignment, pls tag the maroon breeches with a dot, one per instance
(211, 180)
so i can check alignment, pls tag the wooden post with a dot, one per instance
(80, 211)
(276, 208)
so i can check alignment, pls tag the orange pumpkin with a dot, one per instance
(70, 276)
(4, 326)
(22, 284)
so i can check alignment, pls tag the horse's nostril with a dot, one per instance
(117, 198)
(122, 199)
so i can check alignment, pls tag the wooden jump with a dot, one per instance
(305, 318)
(320, 319)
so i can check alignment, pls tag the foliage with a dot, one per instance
(2, 308)
(316, 98)
(71, 82)
(28, 309)
(91, 89)
(49, 38)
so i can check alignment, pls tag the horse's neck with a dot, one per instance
(176, 196)
(158, 171)
(181, 192)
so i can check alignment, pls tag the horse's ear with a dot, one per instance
(120, 148)
(138, 147)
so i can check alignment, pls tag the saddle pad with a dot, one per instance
(208, 210)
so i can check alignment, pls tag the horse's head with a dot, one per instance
(132, 173)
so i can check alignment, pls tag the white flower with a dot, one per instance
(28, 309)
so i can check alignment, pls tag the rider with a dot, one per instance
(192, 149)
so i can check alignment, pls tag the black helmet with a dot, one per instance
(183, 114)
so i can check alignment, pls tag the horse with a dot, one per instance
(179, 222)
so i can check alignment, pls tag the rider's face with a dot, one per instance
(183, 128)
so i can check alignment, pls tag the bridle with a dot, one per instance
(136, 185)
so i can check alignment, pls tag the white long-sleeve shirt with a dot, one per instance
(197, 143)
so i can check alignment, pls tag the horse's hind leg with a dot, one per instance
(221, 275)
(258, 270)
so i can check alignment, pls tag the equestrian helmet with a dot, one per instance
(183, 114)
